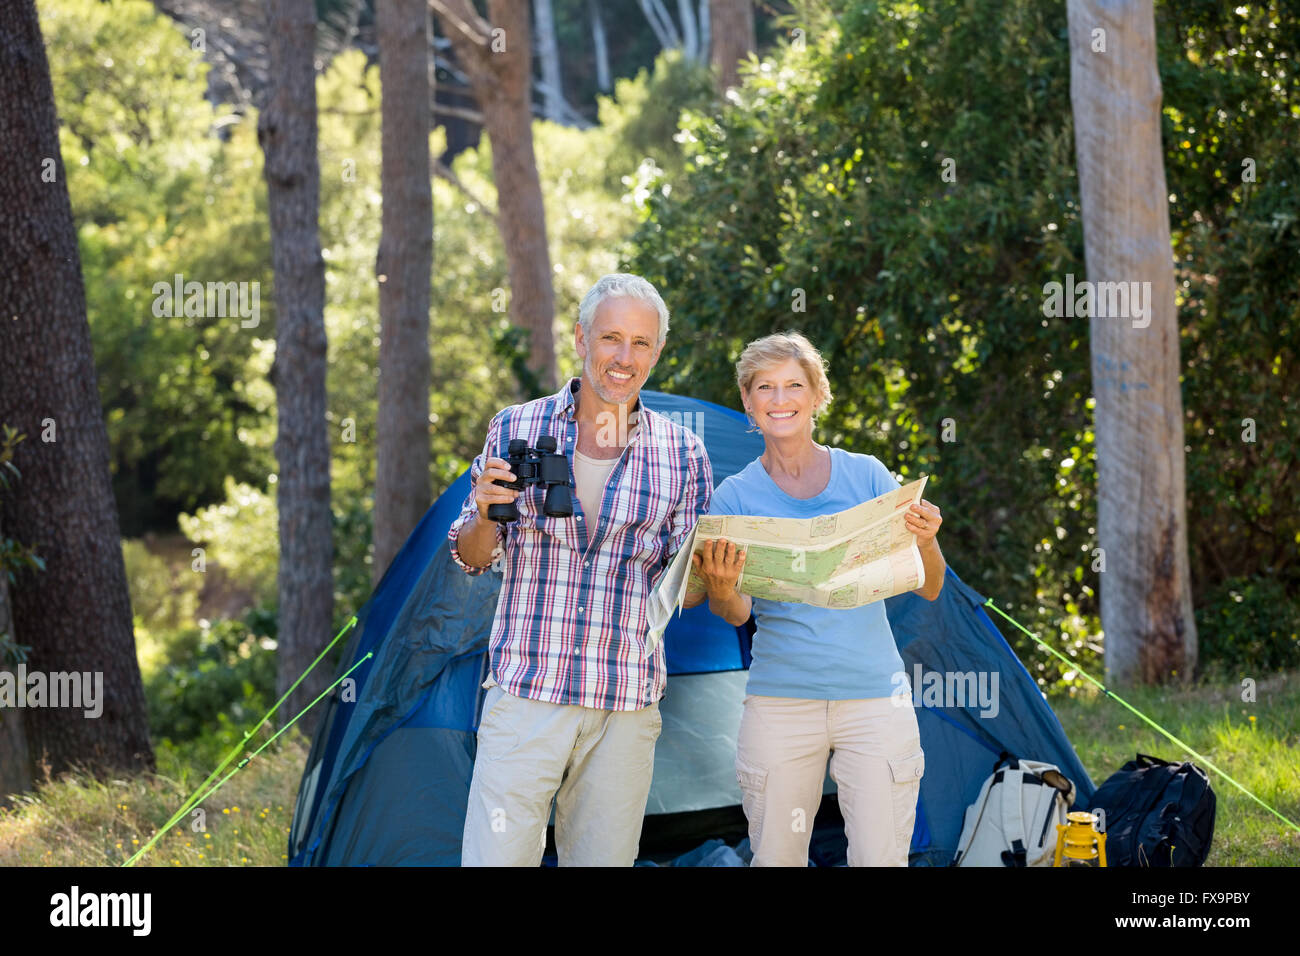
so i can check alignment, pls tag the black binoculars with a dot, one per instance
(542, 465)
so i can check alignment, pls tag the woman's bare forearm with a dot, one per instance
(734, 608)
(935, 569)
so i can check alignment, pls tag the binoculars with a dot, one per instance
(542, 465)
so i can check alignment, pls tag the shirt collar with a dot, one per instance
(566, 403)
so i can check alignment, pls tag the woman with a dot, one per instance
(823, 682)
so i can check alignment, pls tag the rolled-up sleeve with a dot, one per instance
(697, 491)
(470, 508)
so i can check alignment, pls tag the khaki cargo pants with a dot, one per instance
(876, 762)
(596, 764)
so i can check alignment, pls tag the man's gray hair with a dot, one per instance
(618, 285)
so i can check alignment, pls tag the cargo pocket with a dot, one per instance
(496, 738)
(753, 799)
(906, 772)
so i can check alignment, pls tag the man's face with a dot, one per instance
(622, 349)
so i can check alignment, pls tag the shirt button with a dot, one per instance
(586, 564)
(580, 610)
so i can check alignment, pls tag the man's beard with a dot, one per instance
(598, 383)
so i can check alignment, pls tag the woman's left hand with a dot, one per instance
(923, 520)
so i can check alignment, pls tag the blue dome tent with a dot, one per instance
(388, 774)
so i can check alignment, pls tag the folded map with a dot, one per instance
(848, 559)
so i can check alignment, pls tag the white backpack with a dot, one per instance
(1013, 821)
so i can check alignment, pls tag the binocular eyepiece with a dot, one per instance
(542, 465)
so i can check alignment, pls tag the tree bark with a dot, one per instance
(76, 614)
(731, 29)
(286, 130)
(497, 58)
(15, 761)
(1146, 602)
(404, 270)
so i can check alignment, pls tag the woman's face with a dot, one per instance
(781, 401)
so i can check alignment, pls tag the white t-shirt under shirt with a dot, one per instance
(589, 476)
(804, 651)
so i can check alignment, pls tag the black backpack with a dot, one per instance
(1157, 813)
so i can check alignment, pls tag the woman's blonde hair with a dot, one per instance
(776, 348)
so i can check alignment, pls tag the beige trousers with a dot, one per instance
(876, 762)
(596, 764)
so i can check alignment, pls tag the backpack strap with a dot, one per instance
(1149, 761)
(973, 815)
(1013, 821)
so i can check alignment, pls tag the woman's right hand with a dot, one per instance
(718, 563)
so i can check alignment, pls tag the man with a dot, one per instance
(572, 706)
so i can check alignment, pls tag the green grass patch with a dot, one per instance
(1257, 743)
(76, 820)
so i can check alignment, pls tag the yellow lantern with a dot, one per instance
(1079, 842)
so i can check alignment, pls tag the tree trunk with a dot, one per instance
(598, 39)
(690, 37)
(15, 762)
(548, 52)
(731, 28)
(706, 39)
(76, 614)
(1146, 602)
(497, 57)
(404, 267)
(286, 131)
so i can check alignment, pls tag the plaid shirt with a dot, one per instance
(570, 624)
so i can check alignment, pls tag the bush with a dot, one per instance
(229, 680)
(240, 534)
(1248, 626)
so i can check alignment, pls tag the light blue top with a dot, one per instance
(811, 652)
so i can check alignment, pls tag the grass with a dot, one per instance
(77, 820)
(1257, 743)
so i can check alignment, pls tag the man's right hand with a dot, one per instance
(487, 492)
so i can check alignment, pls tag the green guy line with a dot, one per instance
(191, 803)
(1201, 757)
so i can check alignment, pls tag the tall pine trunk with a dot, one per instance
(404, 267)
(731, 32)
(76, 614)
(1146, 601)
(286, 131)
(498, 60)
